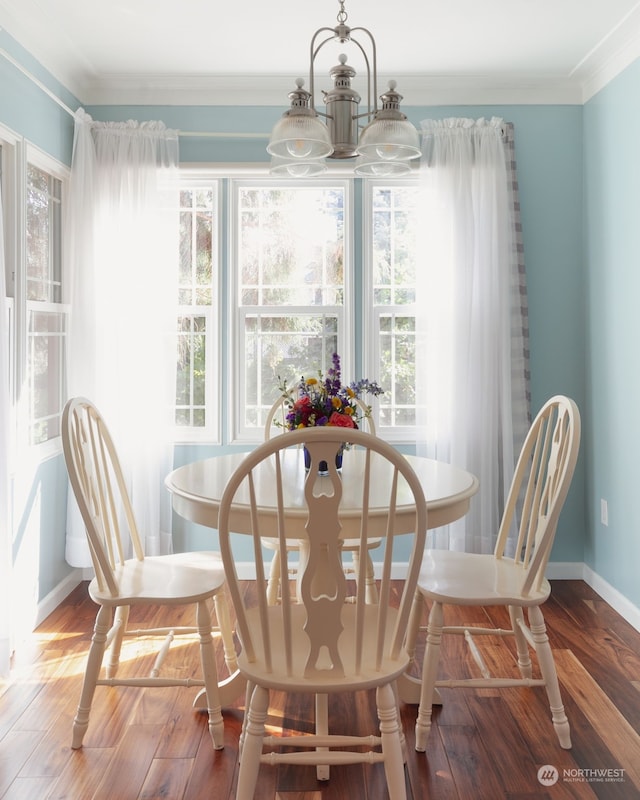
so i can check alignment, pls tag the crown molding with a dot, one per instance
(620, 49)
(272, 90)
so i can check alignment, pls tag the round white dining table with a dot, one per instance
(197, 488)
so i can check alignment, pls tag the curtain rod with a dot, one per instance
(37, 82)
(223, 135)
(65, 107)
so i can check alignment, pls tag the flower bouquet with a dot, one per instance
(324, 400)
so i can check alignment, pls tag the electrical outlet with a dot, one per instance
(604, 512)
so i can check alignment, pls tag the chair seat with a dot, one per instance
(177, 578)
(328, 679)
(476, 579)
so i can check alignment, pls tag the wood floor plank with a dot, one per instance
(16, 700)
(49, 758)
(214, 771)
(183, 727)
(132, 760)
(513, 763)
(166, 778)
(470, 763)
(82, 774)
(27, 788)
(621, 737)
(16, 748)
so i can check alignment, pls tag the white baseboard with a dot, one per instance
(611, 595)
(49, 603)
(565, 571)
(574, 570)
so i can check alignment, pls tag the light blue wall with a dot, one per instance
(551, 168)
(612, 279)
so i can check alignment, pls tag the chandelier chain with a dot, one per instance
(342, 14)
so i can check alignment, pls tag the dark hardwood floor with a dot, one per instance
(491, 744)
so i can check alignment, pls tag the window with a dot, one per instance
(277, 291)
(46, 316)
(290, 288)
(198, 305)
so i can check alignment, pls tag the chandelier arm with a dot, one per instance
(313, 53)
(371, 110)
(369, 69)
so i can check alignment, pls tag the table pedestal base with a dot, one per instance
(409, 691)
(230, 690)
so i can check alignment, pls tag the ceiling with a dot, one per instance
(250, 51)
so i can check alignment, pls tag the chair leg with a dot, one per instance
(322, 729)
(91, 673)
(429, 674)
(226, 632)
(403, 738)
(273, 584)
(252, 747)
(248, 694)
(121, 621)
(391, 742)
(550, 676)
(413, 626)
(524, 659)
(210, 675)
(370, 588)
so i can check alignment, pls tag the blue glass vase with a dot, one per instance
(323, 467)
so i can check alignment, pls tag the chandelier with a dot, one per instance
(300, 141)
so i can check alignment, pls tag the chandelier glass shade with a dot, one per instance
(301, 141)
(380, 168)
(300, 133)
(297, 167)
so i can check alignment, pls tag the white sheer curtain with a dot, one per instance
(5, 517)
(123, 248)
(470, 344)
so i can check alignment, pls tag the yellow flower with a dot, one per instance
(350, 392)
(349, 410)
(336, 402)
(312, 381)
